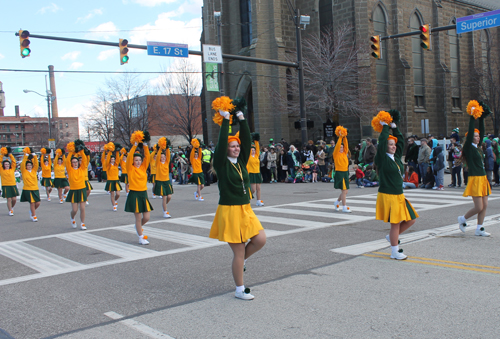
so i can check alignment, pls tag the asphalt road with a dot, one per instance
(322, 273)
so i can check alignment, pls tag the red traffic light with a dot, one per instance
(25, 34)
(423, 28)
(374, 39)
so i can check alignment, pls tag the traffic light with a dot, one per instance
(377, 51)
(425, 36)
(123, 51)
(24, 43)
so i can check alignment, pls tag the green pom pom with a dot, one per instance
(147, 137)
(79, 142)
(118, 147)
(255, 136)
(9, 150)
(486, 109)
(396, 116)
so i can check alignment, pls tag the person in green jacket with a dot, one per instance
(235, 222)
(392, 206)
(478, 186)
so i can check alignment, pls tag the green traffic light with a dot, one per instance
(124, 58)
(26, 52)
(375, 55)
(424, 45)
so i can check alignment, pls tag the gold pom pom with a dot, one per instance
(218, 119)
(123, 151)
(341, 131)
(43, 150)
(3, 151)
(162, 143)
(195, 143)
(137, 136)
(58, 152)
(474, 109)
(71, 146)
(223, 103)
(381, 116)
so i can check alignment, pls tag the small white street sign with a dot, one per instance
(212, 53)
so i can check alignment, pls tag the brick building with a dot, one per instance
(434, 85)
(30, 131)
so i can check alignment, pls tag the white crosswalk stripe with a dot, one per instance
(301, 217)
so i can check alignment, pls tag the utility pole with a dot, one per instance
(221, 72)
(300, 69)
(49, 97)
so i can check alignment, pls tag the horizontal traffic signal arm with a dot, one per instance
(145, 47)
(433, 29)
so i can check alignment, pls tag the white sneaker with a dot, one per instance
(61, 201)
(337, 208)
(398, 256)
(48, 199)
(259, 203)
(201, 199)
(166, 215)
(154, 196)
(361, 186)
(461, 224)
(115, 209)
(11, 212)
(347, 210)
(83, 227)
(435, 188)
(195, 195)
(245, 295)
(73, 223)
(35, 219)
(87, 202)
(64, 196)
(142, 240)
(482, 233)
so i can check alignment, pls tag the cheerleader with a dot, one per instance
(113, 184)
(163, 186)
(77, 194)
(197, 177)
(46, 165)
(88, 185)
(30, 193)
(123, 167)
(60, 180)
(7, 174)
(392, 205)
(152, 171)
(478, 186)
(253, 168)
(235, 222)
(341, 160)
(137, 199)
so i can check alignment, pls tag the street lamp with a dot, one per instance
(49, 99)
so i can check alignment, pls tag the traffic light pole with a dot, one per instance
(402, 35)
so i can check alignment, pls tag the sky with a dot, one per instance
(138, 21)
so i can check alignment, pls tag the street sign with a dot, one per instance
(212, 76)
(478, 21)
(167, 49)
(52, 143)
(212, 53)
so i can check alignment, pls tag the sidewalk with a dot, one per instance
(448, 288)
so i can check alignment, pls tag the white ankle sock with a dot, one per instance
(337, 203)
(462, 219)
(395, 248)
(240, 288)
(344, 207)
(479, 226)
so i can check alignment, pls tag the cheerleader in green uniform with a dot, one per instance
(478, 186)
(30, 193)
(235, 222)
(46, 172)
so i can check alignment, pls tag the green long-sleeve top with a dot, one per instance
(229, 180)
(390, 171)
(475, 163)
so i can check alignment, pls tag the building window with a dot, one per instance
(485, 62)
(246, 22)
(60, 125)
(418, 63)
(325, 14)
(66, 125)
(454, 68)
(379, 27)
(17, 126)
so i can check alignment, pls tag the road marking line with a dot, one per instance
(291, 222)
(191, 222)
(446, 261)
(177, 237)
(386, 257)
(372, 246)
(331, 207)
(36, 258)
(139, 327)
(332, 215)
(113, 247)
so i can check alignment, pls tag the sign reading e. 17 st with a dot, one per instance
(478, 21)
(168, 49)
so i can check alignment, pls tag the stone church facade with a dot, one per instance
(433, 85)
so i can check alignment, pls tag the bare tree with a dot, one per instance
(333, 80)
(181, 105)
(487, 82)
(99, 122)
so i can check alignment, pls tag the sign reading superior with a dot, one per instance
(478, 21)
